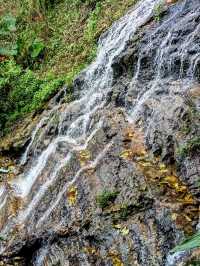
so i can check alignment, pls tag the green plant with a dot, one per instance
(22, 91)
(193, 263)
(198, 182)
(158, 10)
(36, 48)
(7, 27)
(38, 37)
(105, 198)
(125, 211)
(190, 243)
(192, 145)
(91, 27)
(2, 238)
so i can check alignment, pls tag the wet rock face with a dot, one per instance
(112, 178)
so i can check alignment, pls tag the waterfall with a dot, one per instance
(169, 53)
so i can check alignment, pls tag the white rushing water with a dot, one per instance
(76, 126)
(93, 94)
(42, 172)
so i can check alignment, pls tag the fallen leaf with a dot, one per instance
(124, 231)
(117, 226)
(72, 195)
(84, 157)
(127, 154)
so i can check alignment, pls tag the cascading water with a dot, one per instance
(167, 54)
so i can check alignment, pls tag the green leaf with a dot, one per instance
(2, 238)
(7, 24)
(189, 243)
(36, 48)
(9, 51)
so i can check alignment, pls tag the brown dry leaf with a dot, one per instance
(72, 195)
(188, 199)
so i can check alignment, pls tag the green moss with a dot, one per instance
(192, 145)
(105, 198)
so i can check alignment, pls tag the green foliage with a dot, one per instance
(9, 51)
(7, 24)
(125, 211)
(106, 198)
(91, 27)
(193, 262)
(38, 37)
(192, 145)
(2, 238)
(190, 243)
(198, 182)
(36, 48)
(23, 92)
(158, 10)
(7, 27)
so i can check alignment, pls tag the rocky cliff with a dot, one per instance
(113, 178)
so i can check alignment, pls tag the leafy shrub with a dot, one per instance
(22, 91)
(106, 198)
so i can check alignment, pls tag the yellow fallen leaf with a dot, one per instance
(163, 171)
(117, 226)
(188, 199)
(126, 154)
(181, 189)
(172, 180)
(90, 250)
(187, 218)
(130, 134)
(174, 216)
(84, 157)
(72, 195)
(117, 262)
(115, 258)
(162, 166)
(124, 231)
(145, 164)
